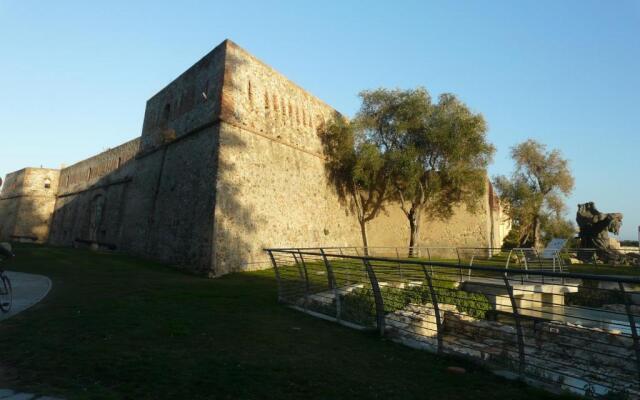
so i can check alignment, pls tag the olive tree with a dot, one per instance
(359, 170)
(533, 195)
(437, 152)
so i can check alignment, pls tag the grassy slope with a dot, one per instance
(119, 327)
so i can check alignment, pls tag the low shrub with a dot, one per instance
(359, 307)
(589, 295)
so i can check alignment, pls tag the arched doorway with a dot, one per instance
(95, 219)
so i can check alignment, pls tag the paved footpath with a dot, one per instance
(28, 289)
(6, 394)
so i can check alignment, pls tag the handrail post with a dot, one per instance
(436, 308)
(377, 296)
(632, 325)
(307, 289)
(516, 317)
(526, 266)
(399, 265)
(331, 280)
(277, 272)
(459, 263)
(300, 271)
(332, 283)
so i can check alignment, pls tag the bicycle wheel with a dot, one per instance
(5, 294)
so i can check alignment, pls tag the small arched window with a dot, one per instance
(166, 113)
(47, 183)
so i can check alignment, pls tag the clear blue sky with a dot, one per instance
(75, 75)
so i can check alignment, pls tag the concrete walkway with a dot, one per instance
(6, 394)
(28, 289)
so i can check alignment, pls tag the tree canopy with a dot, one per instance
(438, 152)
(401, 146)
(534, 195)
(359, 170)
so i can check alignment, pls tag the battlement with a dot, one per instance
(31, 181)
(190, 101)
(230, 85)
(258, 98)
(88, 172)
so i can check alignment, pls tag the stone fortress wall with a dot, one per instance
(91, 197)
(229, 162)
(270, 149)
(26, 204)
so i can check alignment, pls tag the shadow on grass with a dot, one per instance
(119, 327)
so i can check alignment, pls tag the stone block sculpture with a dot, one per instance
(594, 234)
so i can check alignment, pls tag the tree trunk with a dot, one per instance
(414, 227)
(537, 241)
(365, 240)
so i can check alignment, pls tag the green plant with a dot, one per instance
(589, 295)
(359, 305)
(122, 327)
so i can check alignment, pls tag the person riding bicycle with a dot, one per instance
(5, 283)
(5, 250)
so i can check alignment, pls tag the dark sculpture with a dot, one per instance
(594, 228)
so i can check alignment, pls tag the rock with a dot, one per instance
(456, 370)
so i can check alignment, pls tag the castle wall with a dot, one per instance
(92, 198)
(170, 206)
(169, 213)
(271, 188)
(463, 229)
(154, 195)
(272, 184)
(12, 191)
(26, 204)
(190, 103)
(229, 162)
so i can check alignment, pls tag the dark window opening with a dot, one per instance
(165, 115)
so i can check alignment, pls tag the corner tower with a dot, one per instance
(26, 204)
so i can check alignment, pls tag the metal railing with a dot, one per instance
(526, 258)
(571, 331)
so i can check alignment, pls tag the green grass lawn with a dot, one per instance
(118, 327)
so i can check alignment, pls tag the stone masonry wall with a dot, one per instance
(12, 189)
(169, 214)
(26, 204)
(91, 197)
(189, 103)
(229, 162)
(272, 185)
(90, 172)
